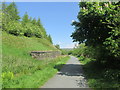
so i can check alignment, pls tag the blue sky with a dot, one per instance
(56, 18)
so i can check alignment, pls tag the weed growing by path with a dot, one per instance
(99, 76)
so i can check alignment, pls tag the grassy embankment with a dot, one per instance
(19, 69)
(99, 76)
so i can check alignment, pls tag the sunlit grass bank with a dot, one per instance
(19, 69)
(31, 75)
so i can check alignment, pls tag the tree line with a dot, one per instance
(27, 26)
(98, 31)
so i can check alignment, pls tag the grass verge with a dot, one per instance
(34, 78)
(100, 77)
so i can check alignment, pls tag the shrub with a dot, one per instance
(14, 27)
(7, 76)
(37, 31)
(28, 30)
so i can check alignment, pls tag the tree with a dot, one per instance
(3, 7)
(50, 39)
(12, 12)
(4, 18)
(98, 26)
(3, 14)
(27, 26)
(25, 19)
(38, 22)
(30, 19)
(34, 21)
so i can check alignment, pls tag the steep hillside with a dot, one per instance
(16, 52)
(19, 68)
(16, 44)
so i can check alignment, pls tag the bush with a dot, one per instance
(28, 30)
(7, 76)
(37, 31)
(14, 27)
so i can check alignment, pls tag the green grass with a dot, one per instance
(37, 77)
(22, 45)
(98, 76)
(19, 69)
(0, 58)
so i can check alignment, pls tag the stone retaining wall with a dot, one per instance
(40, 55)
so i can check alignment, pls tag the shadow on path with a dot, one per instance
(69, 69)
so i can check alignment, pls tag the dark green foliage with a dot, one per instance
(99, 76)
(57, 46)
(27, 26)
(98, 27)
(38, 22)
(3, 6)
(34, 21)
(9, 13)
(12, 12)
(25, 19)
(49, 38)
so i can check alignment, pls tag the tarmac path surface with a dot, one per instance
(70, 76)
